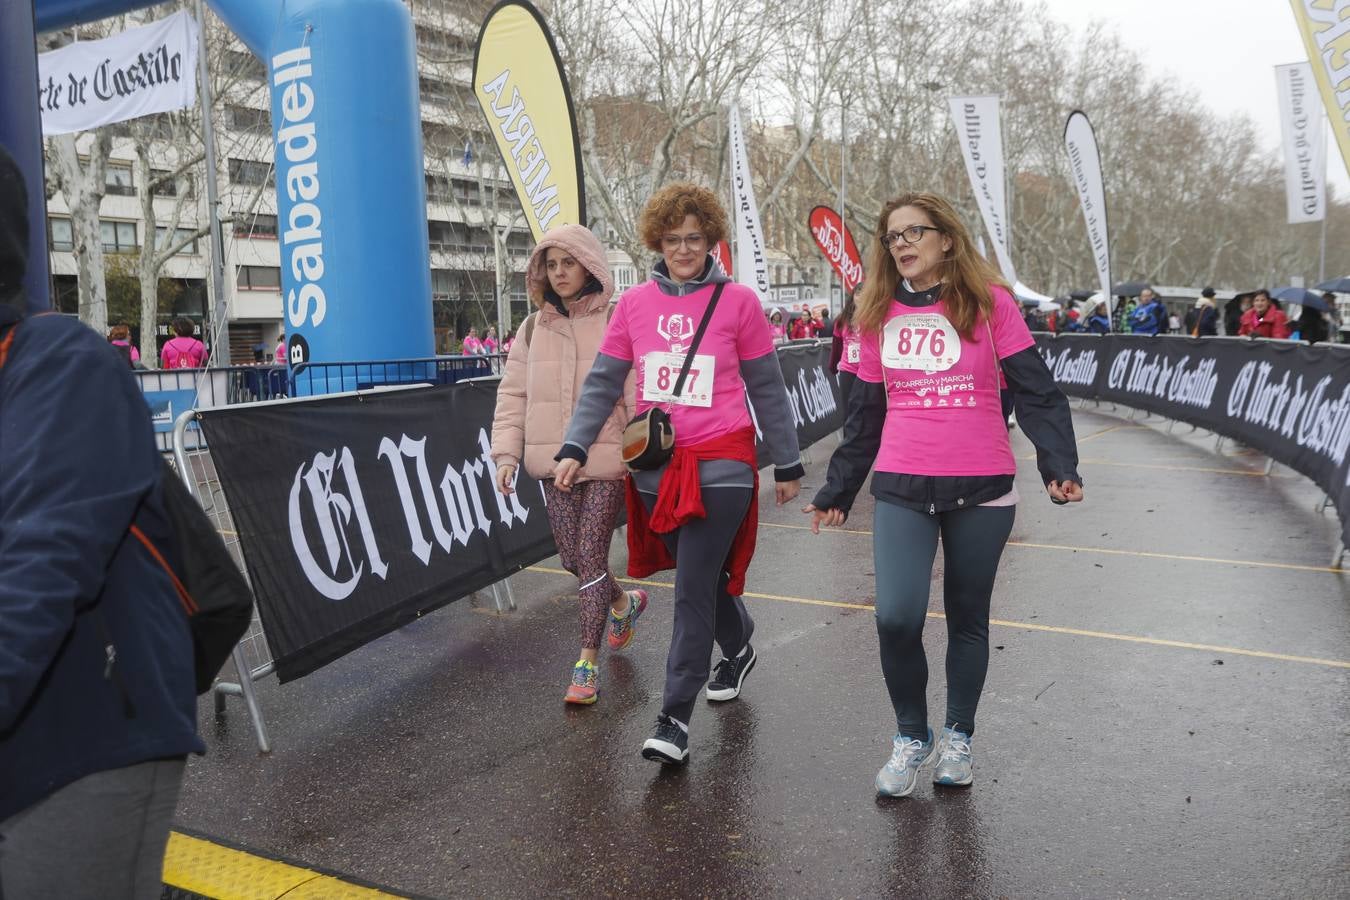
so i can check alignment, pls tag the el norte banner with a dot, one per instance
(519, 82)
(752, 266)
(151, 69)
(1305, 165)
(1327, 36)
(977, 122)
(1085, 161)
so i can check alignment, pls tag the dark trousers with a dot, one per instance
(904, 544)
(704, 611)
(99, 838)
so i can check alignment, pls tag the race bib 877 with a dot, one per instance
(661, 370)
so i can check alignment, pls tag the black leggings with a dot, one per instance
(904, 543)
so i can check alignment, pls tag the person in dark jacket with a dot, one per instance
(1311, 325)
(1150, 316)
(97, 696)
(1202, 320)
(1099, 322)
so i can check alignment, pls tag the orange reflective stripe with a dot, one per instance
(189, 605)
(5, 345)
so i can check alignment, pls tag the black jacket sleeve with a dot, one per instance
(858, 451)
(1043, 414)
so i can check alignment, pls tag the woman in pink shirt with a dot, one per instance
(776, 330)
(846, 351)
(183, 351)
(120, 336)
(937, 325)
(490, 343)
(473, 345)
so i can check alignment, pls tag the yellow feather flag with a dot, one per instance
(1327, 37)
(519, 82)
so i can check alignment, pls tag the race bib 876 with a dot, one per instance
(661, 370)
(923, 341)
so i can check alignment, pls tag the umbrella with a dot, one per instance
(1339, 285)
(1301, 297)
(1082, 295)
(1034, 298)
(1130, 288)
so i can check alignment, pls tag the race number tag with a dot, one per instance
(853, 352)
(661, 370)
(923, 341)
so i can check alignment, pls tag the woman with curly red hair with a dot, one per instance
(698, 511)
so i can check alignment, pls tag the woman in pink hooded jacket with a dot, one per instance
(570, 284)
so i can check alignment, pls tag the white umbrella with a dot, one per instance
(1028, 296)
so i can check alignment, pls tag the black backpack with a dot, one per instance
(213, 592)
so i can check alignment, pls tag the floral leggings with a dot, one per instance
(583, 522)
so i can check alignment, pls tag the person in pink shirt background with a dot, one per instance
(473, 344)
(120, 336)
(490, 343)
(280, 354)
(937, 326)
(183, 351)
(776, 330)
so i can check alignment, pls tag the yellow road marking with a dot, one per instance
(1029, 626)
(211, 870)
(1097, 434)
(1109, 552)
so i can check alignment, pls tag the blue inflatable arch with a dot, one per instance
(355, 268)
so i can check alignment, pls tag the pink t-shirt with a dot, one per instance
(183, 353)
(943, 415)
(280, 355)
(653, 331)
(852, 355)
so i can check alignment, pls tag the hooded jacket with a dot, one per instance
(96, 669)
(542, 381)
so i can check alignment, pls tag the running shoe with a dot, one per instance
(729, 675)
(583, 688)
(669, 745)
(954, 766)
(901, 773)
(621, 628)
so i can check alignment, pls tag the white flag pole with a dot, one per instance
(217, 324)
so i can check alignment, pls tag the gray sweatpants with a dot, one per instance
(704, 611)
(99, 838)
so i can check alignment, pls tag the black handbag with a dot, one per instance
(649, 439)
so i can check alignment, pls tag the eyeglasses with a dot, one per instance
(911, 235)
(672, 242)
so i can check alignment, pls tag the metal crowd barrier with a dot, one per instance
(252, 657)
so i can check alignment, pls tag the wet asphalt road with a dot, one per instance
(441, 761)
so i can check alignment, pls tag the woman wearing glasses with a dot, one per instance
(698, 512)
(937, 326)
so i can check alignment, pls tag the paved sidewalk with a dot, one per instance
(1166, 714)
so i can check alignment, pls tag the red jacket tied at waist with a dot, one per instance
(679, 498)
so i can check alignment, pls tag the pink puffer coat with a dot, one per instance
(543, 377)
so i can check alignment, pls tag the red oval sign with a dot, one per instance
(836, 242)
(722, 253)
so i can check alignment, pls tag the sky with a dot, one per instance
(1231, 68)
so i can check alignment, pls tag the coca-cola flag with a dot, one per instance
(836, 242)
(722, 253)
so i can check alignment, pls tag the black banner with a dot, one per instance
(813, 395)
(1286, 399)
(358, 514)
